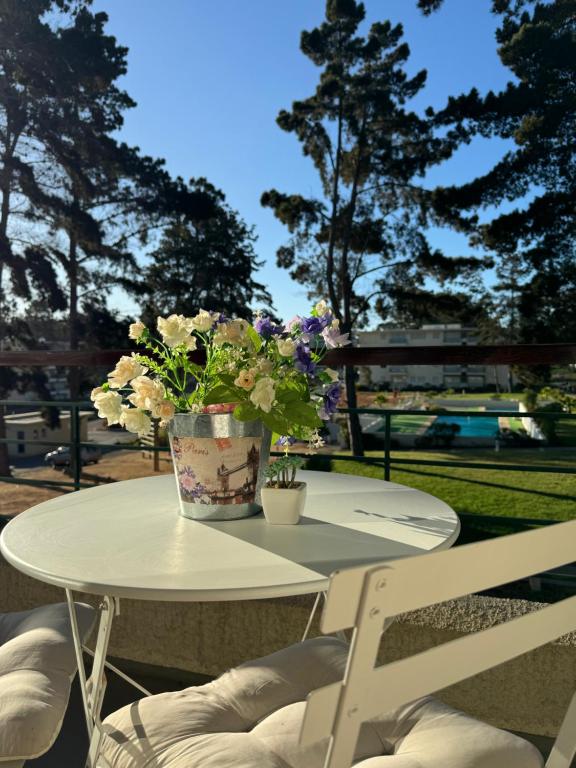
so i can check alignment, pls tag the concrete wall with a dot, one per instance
(529, 694)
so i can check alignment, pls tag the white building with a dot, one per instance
(458, 377)
(29, 427)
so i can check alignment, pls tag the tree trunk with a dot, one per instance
(353, 418)
(4, 458)
(74, 373)
(4, 214)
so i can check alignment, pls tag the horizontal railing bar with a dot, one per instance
(87, 404)
(485, 465)
(31, 481)
(474, 414)
(394, 412)
(469, 517)
(368, 411)
(492, 354)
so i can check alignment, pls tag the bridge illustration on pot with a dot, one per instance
(248, 488)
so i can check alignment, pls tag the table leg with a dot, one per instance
(94, 687)
(311, 617)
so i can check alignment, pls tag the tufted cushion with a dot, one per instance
(251, 717)
(37, 664)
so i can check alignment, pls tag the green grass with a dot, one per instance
(409, 424)
(566, 432)
(547, 496)
(480, 396)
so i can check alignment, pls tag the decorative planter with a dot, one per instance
(219, 463)
(283, 506)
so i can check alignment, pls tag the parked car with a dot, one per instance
(61, 456)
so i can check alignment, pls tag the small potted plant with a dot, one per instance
(283, 496)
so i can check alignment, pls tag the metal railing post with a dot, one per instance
(387, 431)
(76, 451)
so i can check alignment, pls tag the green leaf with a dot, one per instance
(247, 412)
(303, 413)
(254, 338)
(221, 394)
(291, 391)
(275, 422)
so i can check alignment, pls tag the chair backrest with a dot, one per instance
(367, 599)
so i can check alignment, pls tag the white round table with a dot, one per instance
(127, 540)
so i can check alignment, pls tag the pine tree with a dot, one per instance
(205, 262)
(535, 242)
(363, 235)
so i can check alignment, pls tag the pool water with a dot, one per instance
(485, 426)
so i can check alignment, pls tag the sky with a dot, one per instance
(210, 76)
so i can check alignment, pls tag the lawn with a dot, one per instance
(410, 424)
(538, 495)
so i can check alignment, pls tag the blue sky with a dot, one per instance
(211, 77)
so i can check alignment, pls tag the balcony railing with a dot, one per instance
(529, 354)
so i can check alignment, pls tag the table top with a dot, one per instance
(127, 539)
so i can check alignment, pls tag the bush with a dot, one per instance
(319, 462)
(548, 426)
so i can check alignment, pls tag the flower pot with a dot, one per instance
(283, 506)
(219, 463)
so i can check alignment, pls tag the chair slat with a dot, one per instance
(401, 682)
(413, 583)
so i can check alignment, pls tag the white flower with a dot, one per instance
(135, 420)
(127, 368)
(286, 347)
(333, 338)
(334, 376)
(136, 330)
(294, 324)
(265, 366)
(204, 320)
(321, 308)
(108, 405)
(245, 379)
(147, 391)
(175, 330)
(95, 391)
(263, 394)
(231, 332)
(163, 410)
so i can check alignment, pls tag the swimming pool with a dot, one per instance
(476, 426)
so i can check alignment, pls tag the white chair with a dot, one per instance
(37, 665)
(322, 703)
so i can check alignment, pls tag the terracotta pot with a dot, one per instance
(283, 506)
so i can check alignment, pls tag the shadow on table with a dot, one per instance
(328, 547)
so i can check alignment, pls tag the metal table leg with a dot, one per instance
(93, 688)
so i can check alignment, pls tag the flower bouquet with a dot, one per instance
(264, 373)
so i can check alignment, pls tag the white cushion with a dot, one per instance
(251, 717)
(37, 664)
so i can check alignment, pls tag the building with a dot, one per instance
(458, 377)
(29, 427)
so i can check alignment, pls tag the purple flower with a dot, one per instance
(303, 360)
(332, 398)
(266, 328)
(285, 440)
(313, 325)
